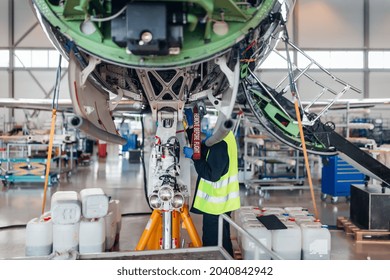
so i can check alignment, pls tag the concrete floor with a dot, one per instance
(122, 180)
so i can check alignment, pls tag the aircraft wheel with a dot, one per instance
(331, 125)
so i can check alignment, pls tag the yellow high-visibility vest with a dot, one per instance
(221, 196)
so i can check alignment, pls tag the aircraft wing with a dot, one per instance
(64, 105)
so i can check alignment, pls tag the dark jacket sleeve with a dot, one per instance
(216, 165)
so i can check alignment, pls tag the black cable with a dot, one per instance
(143, 162)
(136, 214)
(57, 85)
(12, 227)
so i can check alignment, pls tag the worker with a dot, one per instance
(217, 187)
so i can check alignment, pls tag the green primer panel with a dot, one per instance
(195, 46)
(278, 117)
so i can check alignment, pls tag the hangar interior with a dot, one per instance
(349, 38)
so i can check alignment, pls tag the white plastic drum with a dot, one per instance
(288, 242)
(251, 251)
(115, 207)
(94, 203)
(110, 223)
(39, 236)
(92, 236)
(65, 207)
(66, 237)
(316, 241)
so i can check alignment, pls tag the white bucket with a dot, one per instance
(94, 203)
(65, 237)
(287, 242)
(316, 241)
(250, 251)
(92, 236)
(39, 236)
(65, 207)
(115, 206)
(110, 223)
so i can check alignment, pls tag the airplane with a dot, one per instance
(166, 56)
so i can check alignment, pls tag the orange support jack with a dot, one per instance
(156, 236)
(150, 228)
(185, 216)
(152, 234)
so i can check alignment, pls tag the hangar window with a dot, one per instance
(327, 59)
(334, 59)
(4, 58)
(53, 60)
(379, 59)
(22, 58)
(37, 59)
(276, 61)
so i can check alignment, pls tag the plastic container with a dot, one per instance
(250, 251)
(94, 203)
(288, 242)
(65, 208)
(298, 214)
(39, 236)
(247, 209)
(245, 216)
(110, 224)
(92, 236)
(102, 149)
(65, 237)
(272, 210)
(294, 208)
(316, 241)
(304, 219)
(115, 206)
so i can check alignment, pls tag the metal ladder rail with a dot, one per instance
(324, 89)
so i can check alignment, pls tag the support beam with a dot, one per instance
(366, 38)
(11, 44)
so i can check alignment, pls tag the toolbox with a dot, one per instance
(337, 177)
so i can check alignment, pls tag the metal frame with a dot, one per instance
(244, 232)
